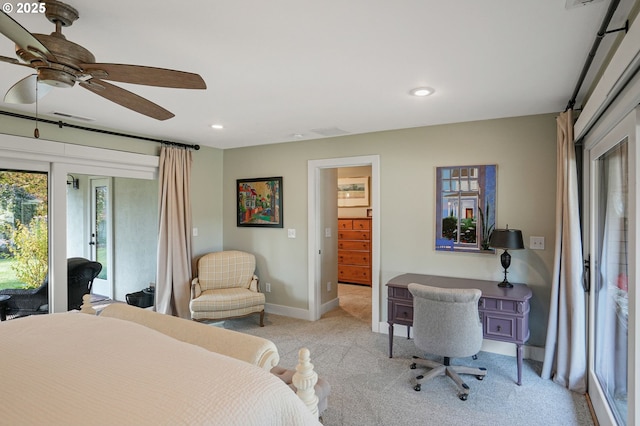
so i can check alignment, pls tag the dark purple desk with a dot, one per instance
(504, 312)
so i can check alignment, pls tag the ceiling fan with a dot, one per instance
(61, 63)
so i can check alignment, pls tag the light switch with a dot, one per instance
(195, 232)
(291, 233)
(327, 232)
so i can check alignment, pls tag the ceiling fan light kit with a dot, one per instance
(61, 63)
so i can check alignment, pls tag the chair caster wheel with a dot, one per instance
(463, 396)
(480, 377)
(413, 366)
(417, 388)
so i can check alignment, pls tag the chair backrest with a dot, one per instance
(226, 269)
(444, 244)
(80, 275)
(446, 320)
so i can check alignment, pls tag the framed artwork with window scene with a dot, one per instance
(465, 208)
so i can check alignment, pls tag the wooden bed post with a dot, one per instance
(86, 307)
(305, 380)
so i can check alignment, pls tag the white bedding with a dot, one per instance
(73, 368)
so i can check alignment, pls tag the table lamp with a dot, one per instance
(507, 239)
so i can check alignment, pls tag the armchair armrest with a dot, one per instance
(254, 284)
(196, 290)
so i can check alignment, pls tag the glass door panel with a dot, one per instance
(611, 279)
(100, 238)
(24, 242)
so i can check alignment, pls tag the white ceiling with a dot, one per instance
(278, 70)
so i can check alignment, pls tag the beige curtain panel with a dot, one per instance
(565, 358)
(174, 232)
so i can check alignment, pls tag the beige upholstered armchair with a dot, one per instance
(226, 287)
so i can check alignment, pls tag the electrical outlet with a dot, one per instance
(328, 285)
(536, 243)
(267, 287)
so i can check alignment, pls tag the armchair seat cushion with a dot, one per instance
(227, 299)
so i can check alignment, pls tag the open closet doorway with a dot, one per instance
(320, 232)
(354, 241)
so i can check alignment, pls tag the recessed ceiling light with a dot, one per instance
(217, 126)
(422, 91)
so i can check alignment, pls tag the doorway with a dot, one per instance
(316, 231)
(354, 241)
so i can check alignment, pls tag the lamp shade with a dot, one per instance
(506, 239)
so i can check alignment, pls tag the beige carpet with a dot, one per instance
(355, 300)
(369, 388)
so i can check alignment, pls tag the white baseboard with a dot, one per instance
(326, 307)
(286, 311)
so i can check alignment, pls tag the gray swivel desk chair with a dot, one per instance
(446, 323)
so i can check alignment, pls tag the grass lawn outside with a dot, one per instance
(7, 275)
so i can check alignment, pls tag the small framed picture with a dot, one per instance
(353, 192)
(369, 212)
(259, 202)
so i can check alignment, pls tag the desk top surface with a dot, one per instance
(488, 288)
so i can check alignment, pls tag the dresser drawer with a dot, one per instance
(361, 224)
(353, 258)
(359, 274)
(354, 245)
(345, 224)
(353, 235)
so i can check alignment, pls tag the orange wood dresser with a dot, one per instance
(354, 250)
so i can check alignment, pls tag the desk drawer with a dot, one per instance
(402, 313)
(506, 306)
(506, 328)
(400, 293)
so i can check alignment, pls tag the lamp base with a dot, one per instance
(505, 284)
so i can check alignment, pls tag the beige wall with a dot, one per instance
(522, 147)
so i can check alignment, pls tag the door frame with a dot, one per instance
(315, 231)
(605, 136)
(63, 159)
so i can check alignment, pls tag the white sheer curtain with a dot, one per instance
(565, 357)
(174, 232)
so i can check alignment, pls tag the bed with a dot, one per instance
(72, 368)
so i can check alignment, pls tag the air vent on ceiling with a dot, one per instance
(572, 4)
(73, 117)
(330, 131)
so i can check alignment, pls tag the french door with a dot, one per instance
(100, 240)
(613, 301)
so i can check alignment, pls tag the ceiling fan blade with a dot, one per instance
(20, 36)
(148, 76)
(126, 99)
(24, 91)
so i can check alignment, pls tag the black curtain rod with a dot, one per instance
(62, 124)
(594, 48)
